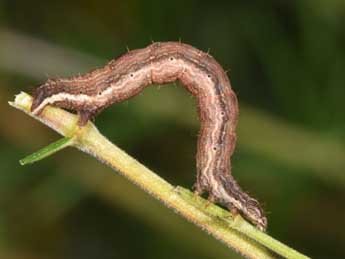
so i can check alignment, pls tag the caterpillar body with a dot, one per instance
(161, 63)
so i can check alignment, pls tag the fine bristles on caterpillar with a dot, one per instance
(161, 63)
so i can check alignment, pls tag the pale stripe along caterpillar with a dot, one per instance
(161, 63)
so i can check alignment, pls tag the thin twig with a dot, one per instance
(234, 232)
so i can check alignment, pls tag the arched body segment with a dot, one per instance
(161, 63)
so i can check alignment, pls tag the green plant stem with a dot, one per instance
(234, 232)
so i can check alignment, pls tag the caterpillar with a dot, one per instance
(161, 63)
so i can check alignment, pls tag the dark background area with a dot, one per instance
(286, 62)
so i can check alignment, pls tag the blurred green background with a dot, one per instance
(287, 65)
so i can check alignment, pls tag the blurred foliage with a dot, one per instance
(287, 64)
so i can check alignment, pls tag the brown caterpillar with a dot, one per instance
(161, 63)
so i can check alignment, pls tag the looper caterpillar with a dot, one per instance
(161, 63)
